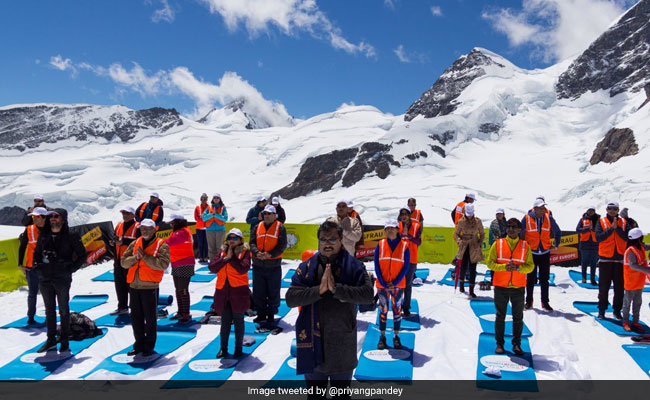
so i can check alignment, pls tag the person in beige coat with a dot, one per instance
(146, 258)
(469, 235)
(351, 228)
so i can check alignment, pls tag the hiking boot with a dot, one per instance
(397, 343)
(222, 353)
(601, 314)
(148, 353)
(617, 314)
(270, 318)
(637, 327)
(238, 352)
(381, 345)
(593, 282)
(175, 317)
(185, 319)
(461, 284)
(31, 321)
(47, 346)
(260, 318)
(547, 307)
(120, 311)
(406, 313)
(471, 292)
(65, 346)
(516, 348)
(528, 305)
(627, 327)
(500, 349)
(132, 353)
(584, 280)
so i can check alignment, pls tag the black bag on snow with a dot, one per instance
(82, 327)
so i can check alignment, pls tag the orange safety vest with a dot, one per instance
(32, 238)
(267, 239)
(413, 248)
(145, 273)
(460, 211)
(533, 237)
(228, 272)
(130, 234)
(200, 224)
(154, 215)
(634, 280)
(354, 214)
(391, 262)
(504, 256)
(416, 215)
(212, 220)
(607, 246)
(182, 250)
(587, 236)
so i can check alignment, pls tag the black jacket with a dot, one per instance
(282, 216)
(58, 255)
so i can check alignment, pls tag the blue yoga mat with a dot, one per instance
(486, 313)
(36, 366)
(286, 279)
(204, 370)
(412, 323)
(388, 364)
(79, 303)
(287, 372)
(517, 372)
(166, 342)
(294, 349)
(422, 273)
(610, 323)
(107, 276)
(640, 353)
(203, 275)
(576, 276)
(197, 310)
(117, 321)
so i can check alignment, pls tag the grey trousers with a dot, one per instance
(632, 297)
(215, 241)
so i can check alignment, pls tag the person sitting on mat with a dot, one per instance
(232, 295)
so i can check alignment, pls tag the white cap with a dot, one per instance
(154, 194)
(175, 216)
(260, 198)
(471, 196)
(540, 197)
(591, 208)
(129, 210)
(216, 195)
(38, 197)
(406, 207)
(391, 223)
(235, 231)
(270, 208)
(612, 204)
(42, 211)
(469, 210)
(499, 211)
(342, 201)
(634, 234)
(350, 203)
(147, 222)
(275, 200)
(539, 203)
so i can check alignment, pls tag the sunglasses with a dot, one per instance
(329, 241)
(233, 237)
(55, 216)
(37, 216)
(612, 208)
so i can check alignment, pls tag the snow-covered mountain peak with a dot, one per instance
(245, 114)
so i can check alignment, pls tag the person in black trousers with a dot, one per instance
(125, 233)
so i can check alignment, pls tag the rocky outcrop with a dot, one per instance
(618, 61)
(12, 216)
(24, 127)
(617, 143)
(348, 166)
(647, 95)
(440, 99)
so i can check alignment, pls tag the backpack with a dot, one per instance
(82, 327)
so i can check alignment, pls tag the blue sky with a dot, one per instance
(308, 55)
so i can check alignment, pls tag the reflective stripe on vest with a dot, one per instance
(587, 236)
(141, 268)
(391, 262)
(154, 214)
(267, 239)
(130, 234)
(183, 250)
(415, 216)
(613, 242)
(533, 236)
(413, 248)
(212, 220)
(228, 272)
(504, 256)
(634, 280)
(32, 238)
(460, 211)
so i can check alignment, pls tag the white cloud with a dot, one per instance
(436, 11)
(389, 3)
(289, 16)
(137, 79)
(166, 13)
(63, 64)
(409, 56)
(557, 29)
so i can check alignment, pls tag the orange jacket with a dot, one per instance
(154, 216)
(228, 272)
(504, 256)
(413, 247)
(32, 238)
(589, 235)
(266, 240)
(634, 280)
(613, 242)
(214, 220)
(416, 215)
(141, 268)
(391, 262)
(460, 211)
(198, 212)
(130, 234)
(533, 236)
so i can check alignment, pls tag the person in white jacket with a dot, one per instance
(351, 228)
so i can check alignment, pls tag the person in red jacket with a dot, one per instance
(181, 255)
(201, 237)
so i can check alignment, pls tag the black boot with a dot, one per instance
(260, 318)
(65, 346)
(238, 352)
(48, 345)
(462, 285)
(471, 292)
(222, 353)
(381, 345)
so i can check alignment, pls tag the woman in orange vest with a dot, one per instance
(391, 264)
(201, 237)
(588, 244)
(635, 271)
(181, 254)
(232, 295)
(411, 232)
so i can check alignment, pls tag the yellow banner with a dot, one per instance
(11, 277)
(91, 235)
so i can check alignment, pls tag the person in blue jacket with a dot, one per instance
(254, 216)
(215, 218)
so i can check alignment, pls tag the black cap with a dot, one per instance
(62, 212)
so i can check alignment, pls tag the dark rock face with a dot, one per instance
(439, 150)
(441, 98)
(619, 60)
(324, 171)
(616, 144)
(489, 128)
(417, 155)
(444, 138)
(12, 216)
(647, 95)
(254, 121)
(28, 127)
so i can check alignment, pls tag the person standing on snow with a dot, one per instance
(39, 201)
(416, 215)
(459, 211)
(412, 233)
(181, 255)
(635, 271)
(351, 228)
(215, 218)
(282, 215)
(201, 237)
(469, 235)
(355, 214)
(126, 233)
(254, 215)
(631, 223)
(151, 210)
(498, 227)
(588, 244)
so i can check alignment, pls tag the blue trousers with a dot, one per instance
(32, 294)
(589, 259)
(202, 240)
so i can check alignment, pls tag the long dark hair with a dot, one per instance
(179, 224)
(638, 243)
